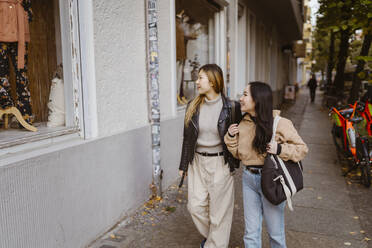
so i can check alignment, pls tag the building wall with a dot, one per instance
(265, 60)
(66, 197)
(167, 59)
(75, 190)
(120, 52)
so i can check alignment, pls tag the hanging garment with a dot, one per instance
(9, 50)
(180, 41)
(14, 25)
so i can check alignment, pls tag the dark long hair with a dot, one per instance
(262, 96)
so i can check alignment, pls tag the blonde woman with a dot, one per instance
(206, 160)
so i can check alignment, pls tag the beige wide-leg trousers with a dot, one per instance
(211, 199)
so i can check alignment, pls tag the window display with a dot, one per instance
(14, 38)
(194, 26)
(28, 58)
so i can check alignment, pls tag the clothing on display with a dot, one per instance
(180, 41)
(9, 49)
(14, 24)
(14, 37)
(192, 50)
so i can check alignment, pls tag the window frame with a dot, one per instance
(72, 54)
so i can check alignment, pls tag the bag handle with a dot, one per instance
(275, 126)
(233, 112)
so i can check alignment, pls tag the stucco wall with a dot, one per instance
(68, 197)
(167, 59)
(120, 54)
(67, 194)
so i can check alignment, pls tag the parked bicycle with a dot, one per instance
(348, 141)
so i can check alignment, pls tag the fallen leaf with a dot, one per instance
(366, 239)
(319, 197)
(153, 224)
(356, 217)
(144, 213)
(347, 243)
(170, 209)
(348, 182)
(362, 231)
(112, 236)
(352, 233)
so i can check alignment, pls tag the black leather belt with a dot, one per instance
(253, 170)
(206, 154)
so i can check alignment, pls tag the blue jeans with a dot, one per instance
(256, 206)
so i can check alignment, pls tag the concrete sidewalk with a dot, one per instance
(323, 215)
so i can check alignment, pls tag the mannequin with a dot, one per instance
(14, 39)
(56, 104)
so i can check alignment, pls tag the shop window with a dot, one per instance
(36, 93)
(195, 43)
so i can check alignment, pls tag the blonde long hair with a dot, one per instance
(215, 76)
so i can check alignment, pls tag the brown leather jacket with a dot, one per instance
(190, 135)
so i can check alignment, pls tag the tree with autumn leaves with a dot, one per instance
(340, 25)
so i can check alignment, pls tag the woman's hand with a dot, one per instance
(180, 173)
(272, 147)
(233, 129)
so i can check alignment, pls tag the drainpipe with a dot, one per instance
(153, 93)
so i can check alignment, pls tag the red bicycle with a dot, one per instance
(350, 143)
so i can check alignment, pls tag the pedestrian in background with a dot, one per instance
(206, 159)
(250, 142)
(312, 84)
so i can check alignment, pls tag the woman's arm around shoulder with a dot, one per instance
(231, 140)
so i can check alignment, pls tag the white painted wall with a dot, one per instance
(167, 59)
(67, 194)
(120, 53)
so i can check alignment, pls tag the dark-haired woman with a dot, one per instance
(209, 163)
(250, 142)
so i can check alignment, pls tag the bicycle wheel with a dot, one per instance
(335, 138)
(366, 174)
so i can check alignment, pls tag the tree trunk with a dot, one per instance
(356, 79)
(342, 56)
(331, 62)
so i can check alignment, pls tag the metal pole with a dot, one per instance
(153, 92)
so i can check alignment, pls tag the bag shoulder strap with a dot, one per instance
(275, 125)
(233, 119)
